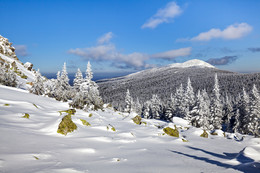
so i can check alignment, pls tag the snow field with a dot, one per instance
(33, 145)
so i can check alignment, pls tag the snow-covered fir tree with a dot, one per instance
(88, 93)
(254, 115)
(236, 125)
(156, 110)
(137, 107)
(180, 110)
(189, 100)
(201, 119)
(37, 86)
(244, 111)
(128, 102)
(89, 73)
(146, 110)
(7, 76)
(228, 113)
(78, 80)
(216, 107)
(170, 108)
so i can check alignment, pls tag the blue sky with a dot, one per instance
(122, 36)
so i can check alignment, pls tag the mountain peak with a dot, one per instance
(192, 63)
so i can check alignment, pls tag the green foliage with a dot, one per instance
(145, 123)
(90, 115)
(36, 157)
(171, 132)
(84, 122)
(66, 125)
(137, 120)
(214, 133)
(6, 104)
(184, 140)
(26, 115)
(35, 106)
(24, 76)
(204, 134)
(69, 111)
(112, 127)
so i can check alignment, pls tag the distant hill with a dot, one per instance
(164, 80)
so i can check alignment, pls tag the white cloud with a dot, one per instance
(136, 60)
(105, 38)
(172, 54)
(230, 33)
(21, 50)
(163, 15)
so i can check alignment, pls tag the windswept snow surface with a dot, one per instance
(33, 145)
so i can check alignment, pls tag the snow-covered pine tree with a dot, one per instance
(202, 118)
(49, 86)
(146, 110)
(89, 73)
(228, 109)
(137, 106)
(156, 109)
(216, 107)
(236, 125)
(57, 90)
(189, 100)
(37, 86)
(128, 102)
(254, 115)
(179, 101)
(7, 76)
(89, 91)
(78, 101)
(244, 112)
(78, 80)
(170, 108)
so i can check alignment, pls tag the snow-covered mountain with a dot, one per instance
(163, 81)
(192, 63)
(111, 142)
(24, 72)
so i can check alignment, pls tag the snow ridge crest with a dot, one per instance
(192, 63)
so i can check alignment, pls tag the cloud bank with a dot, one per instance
(232, 32)
(254, 49)
(163, 15)
(136, 60)
(222, 61)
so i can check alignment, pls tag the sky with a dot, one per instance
(124, 36)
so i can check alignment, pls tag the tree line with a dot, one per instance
(209, 111)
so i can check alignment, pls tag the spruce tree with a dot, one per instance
(216, 107)
(37, 87)
(254, 116)
(189, 100)
(236, 125)
(78, 80)
(244, 111)
(180, 104)
(128, 102)
(156, 107)
(137, 106)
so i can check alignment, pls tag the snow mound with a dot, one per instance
(249, 154)
(180, 121)
(192, 63)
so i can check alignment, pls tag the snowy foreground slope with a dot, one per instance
(33, 145)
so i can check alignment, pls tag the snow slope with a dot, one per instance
(7, 54)
(32, 145)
